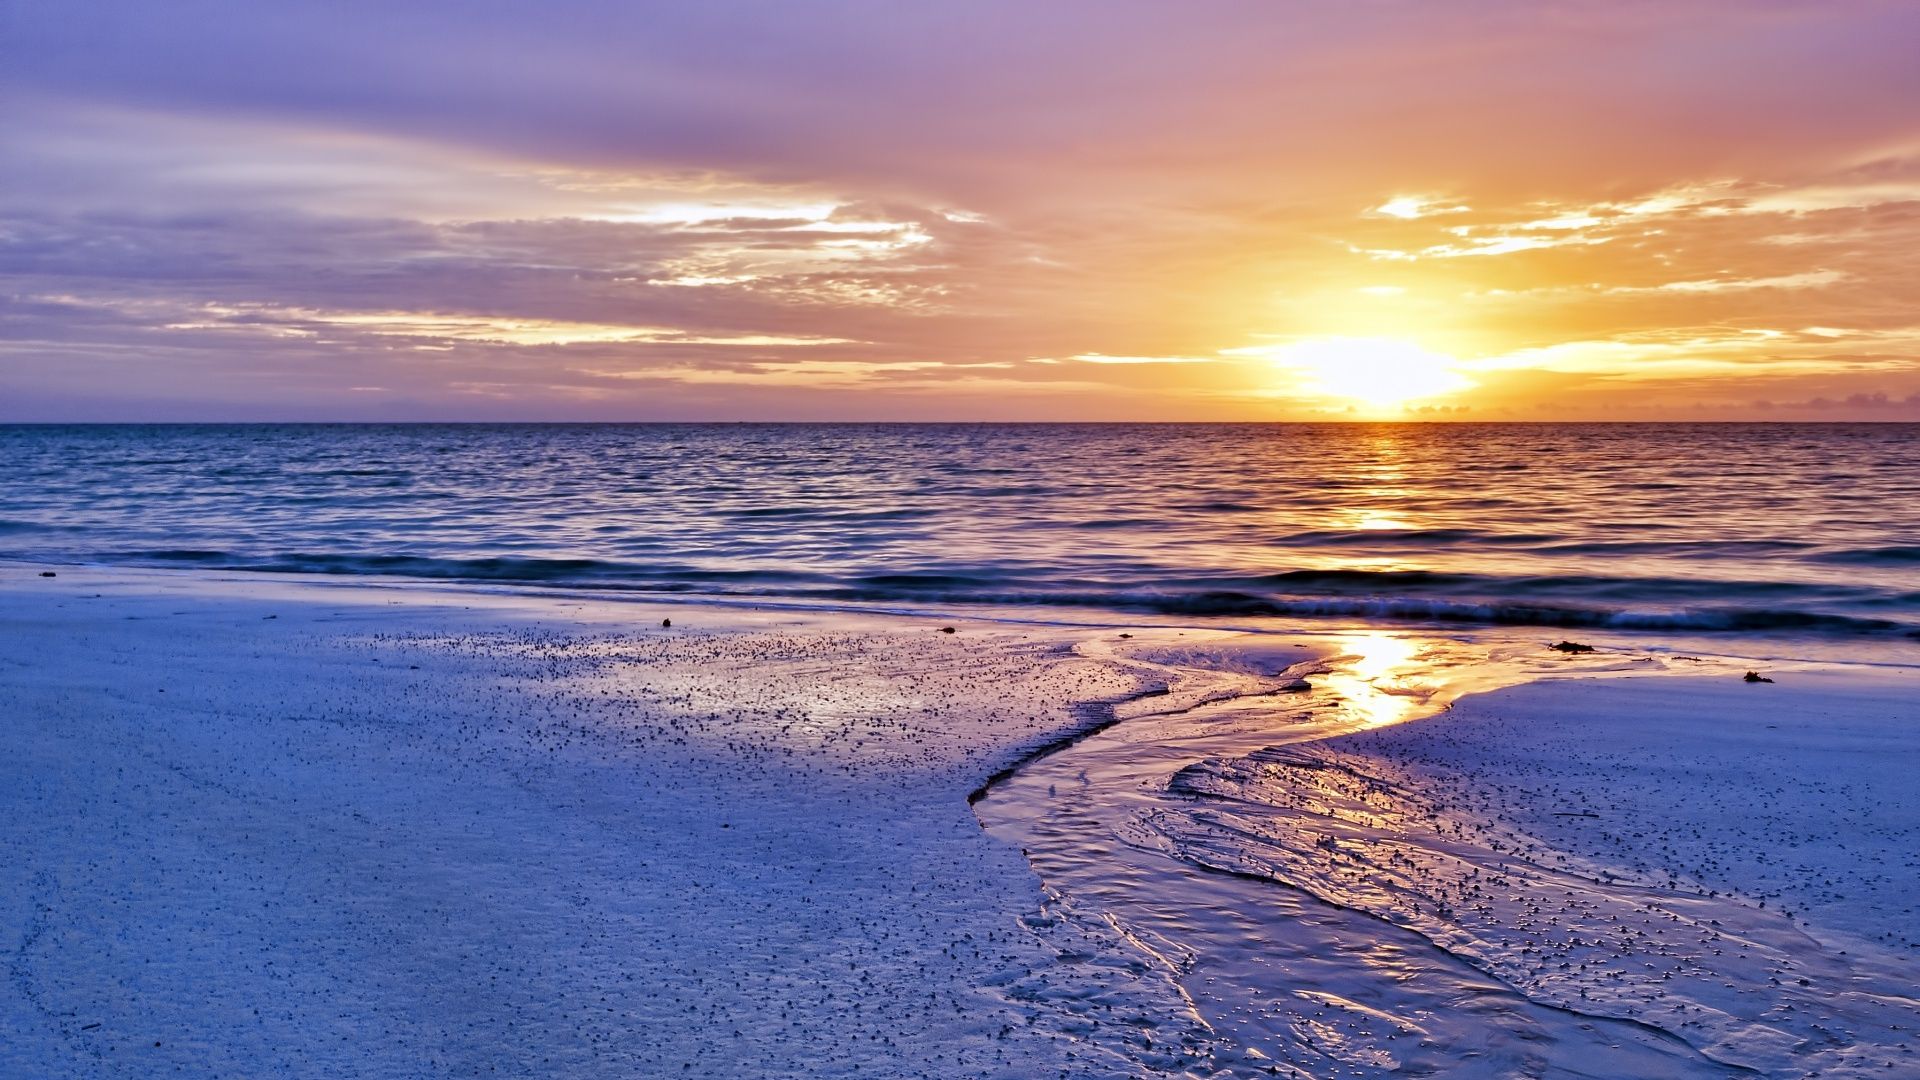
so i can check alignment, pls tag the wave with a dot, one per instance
(1417, 596)
(1446, 540)
(774, 511)
(822, 513)
(401, 474)
(1489, 612)
(1494, 612)
(1891, 555)
(594, 572)
(1370, 579)
(1217, 507)
(1681, 548)
(1413, 538)
(1341, 582)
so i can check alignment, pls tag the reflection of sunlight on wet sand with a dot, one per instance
(1370, 678)
(1377, 655)
(1381, 678)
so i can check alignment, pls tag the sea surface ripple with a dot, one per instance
(1802, 528)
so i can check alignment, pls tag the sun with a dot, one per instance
(1377, 372)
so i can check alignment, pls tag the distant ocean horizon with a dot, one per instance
(1697, 527)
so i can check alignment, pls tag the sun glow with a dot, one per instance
(1378, 372)
(1378, 679)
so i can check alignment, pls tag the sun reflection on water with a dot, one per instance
(1376, 521)
(1378, 488)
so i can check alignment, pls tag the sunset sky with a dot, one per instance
(1180, 211)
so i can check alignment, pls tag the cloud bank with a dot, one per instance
(876, 211)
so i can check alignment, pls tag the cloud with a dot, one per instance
(1414, 207)
(670, 208)
(1101, 358)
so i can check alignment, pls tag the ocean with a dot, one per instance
(1718, 528)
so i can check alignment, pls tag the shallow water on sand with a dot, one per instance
(1329, 915)
(1805, 529)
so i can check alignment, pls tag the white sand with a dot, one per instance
(255, 826)
(264, 828)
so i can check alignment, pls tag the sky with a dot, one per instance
(836, 210)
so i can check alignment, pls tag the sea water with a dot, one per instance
(1805, 528)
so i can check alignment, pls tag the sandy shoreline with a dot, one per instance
(269, 827)
(1671, 852)
(259, 825)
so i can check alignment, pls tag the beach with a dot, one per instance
(1727, 862)
(274, 825)
(1005, 541)
(283, 828)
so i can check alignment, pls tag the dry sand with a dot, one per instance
(277, 828)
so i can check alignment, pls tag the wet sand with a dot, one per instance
(1731, 863)
(255, 825)
(1607, 873)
